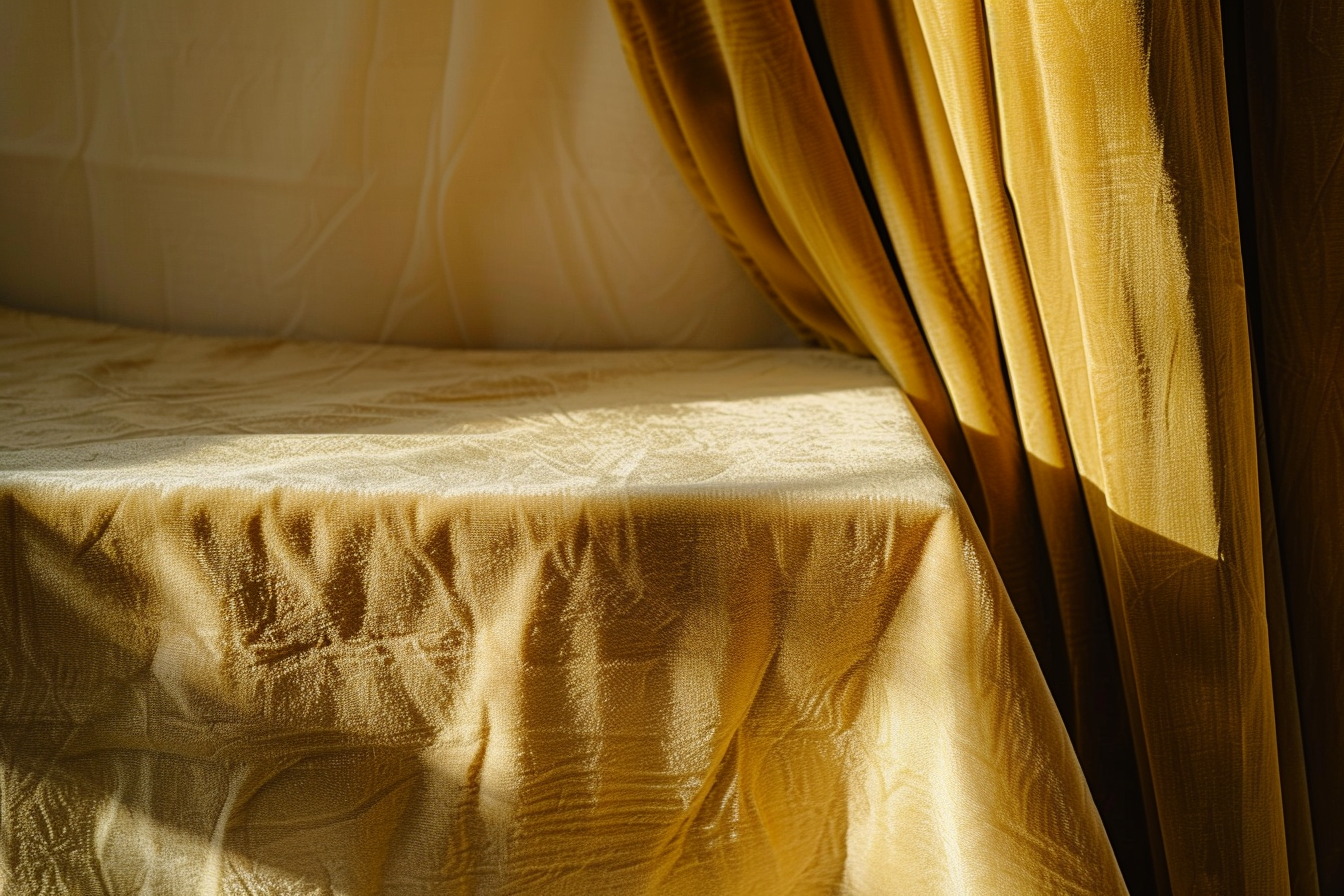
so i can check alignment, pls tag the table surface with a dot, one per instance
(288, 617)
(89, 402)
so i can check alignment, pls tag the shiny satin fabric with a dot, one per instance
(316, 618)
(1055, 179)
(477, 173)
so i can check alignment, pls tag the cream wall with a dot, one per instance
(478, 173)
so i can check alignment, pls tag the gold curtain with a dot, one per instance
(1027, 211)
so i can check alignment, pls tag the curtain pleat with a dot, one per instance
(934, 217)
(955, 240)
(742, 126)
(1115, 137)
(1302, 863)
(1057, 182)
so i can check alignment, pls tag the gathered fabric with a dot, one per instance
(1057, 610)
(1029, 213)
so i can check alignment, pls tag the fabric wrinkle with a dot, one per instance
(604, 617)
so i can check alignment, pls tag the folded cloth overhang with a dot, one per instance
(303, 617)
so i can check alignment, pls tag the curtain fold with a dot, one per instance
(945, 203)
(1057, 182)
(1114, 131)
(742, 126)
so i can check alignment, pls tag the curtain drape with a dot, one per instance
(1028, 211)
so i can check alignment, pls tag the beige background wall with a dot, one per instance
(478, 173)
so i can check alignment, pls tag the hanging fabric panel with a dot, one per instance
(1057, 183)
(920, 167)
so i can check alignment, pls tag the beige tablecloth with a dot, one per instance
(304, 618)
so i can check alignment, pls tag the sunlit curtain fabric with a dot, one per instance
(1028, 211)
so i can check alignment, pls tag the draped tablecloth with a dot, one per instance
(285, 617)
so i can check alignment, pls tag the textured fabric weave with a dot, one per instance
(305, 618)
(1056, 183)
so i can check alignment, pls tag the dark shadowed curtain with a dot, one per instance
(1031, 211)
